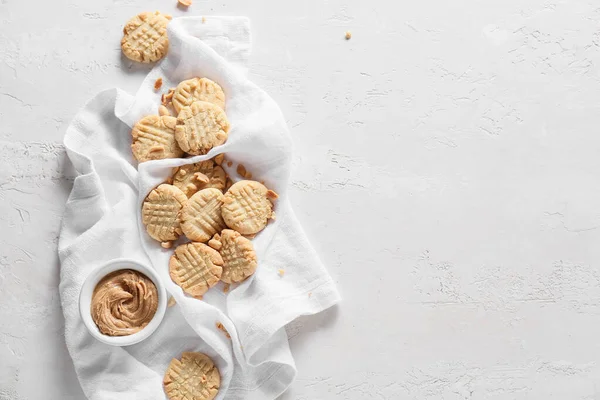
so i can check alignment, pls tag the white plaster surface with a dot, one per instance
(447, 170)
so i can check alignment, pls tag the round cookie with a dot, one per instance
(200, 216)
(193, 177)
(195, 377)
(154, 138)
(247, 208)
(198, 89)
(200, 127)
(239, 258)
(160, 212)
(195, 267)
(145, 37)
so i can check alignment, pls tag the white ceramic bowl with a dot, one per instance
(85, 299)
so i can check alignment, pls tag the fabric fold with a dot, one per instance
(102, 222)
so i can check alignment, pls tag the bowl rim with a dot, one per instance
(87, 289)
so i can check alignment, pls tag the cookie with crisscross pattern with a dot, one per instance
(239, 258)
(200, 216)
(200, 127)
(160, 212)
(198, 89)
(247, 207)
(195, 267)
(154, 138)
(202, 175)
(145, 37)
(195, 377)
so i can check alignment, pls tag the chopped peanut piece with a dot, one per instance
(163, 111)
(158, 84)
(185, 3)
(222, 329)
(200, 177)
(272, 195)
(219, 159)
(241, 170)
(281, 272)
(171, 302)
(167, 97)
(226, 287)
(166, 245)
(348, 35)
(203, 20)
(229, 163)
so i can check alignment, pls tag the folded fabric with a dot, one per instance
(102, 222)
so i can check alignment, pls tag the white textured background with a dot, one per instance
(447, 169)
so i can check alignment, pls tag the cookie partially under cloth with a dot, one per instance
(202, 175)
(197, 89)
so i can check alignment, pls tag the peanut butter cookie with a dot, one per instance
(239, 258)
(160, 212)
(154, 138)
(200, 216)
(200, 127)
(195, 267)
(195, 377)
(145, 37)
(193, 177)
(198, 89)
(247, 208)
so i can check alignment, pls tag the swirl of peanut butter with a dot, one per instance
(124, 302)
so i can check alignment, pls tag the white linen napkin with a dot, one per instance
(102, 222)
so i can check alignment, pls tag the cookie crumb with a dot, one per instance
(348, 35)
(222, 329)
(219, 159)
(241, 170)
(158, 84)
(166, 245)
(171, 302)
(281, 272)
(229, 163)
(226, 288)
(185, 3)
(163, 111)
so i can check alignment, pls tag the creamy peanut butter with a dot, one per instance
(124, 302)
